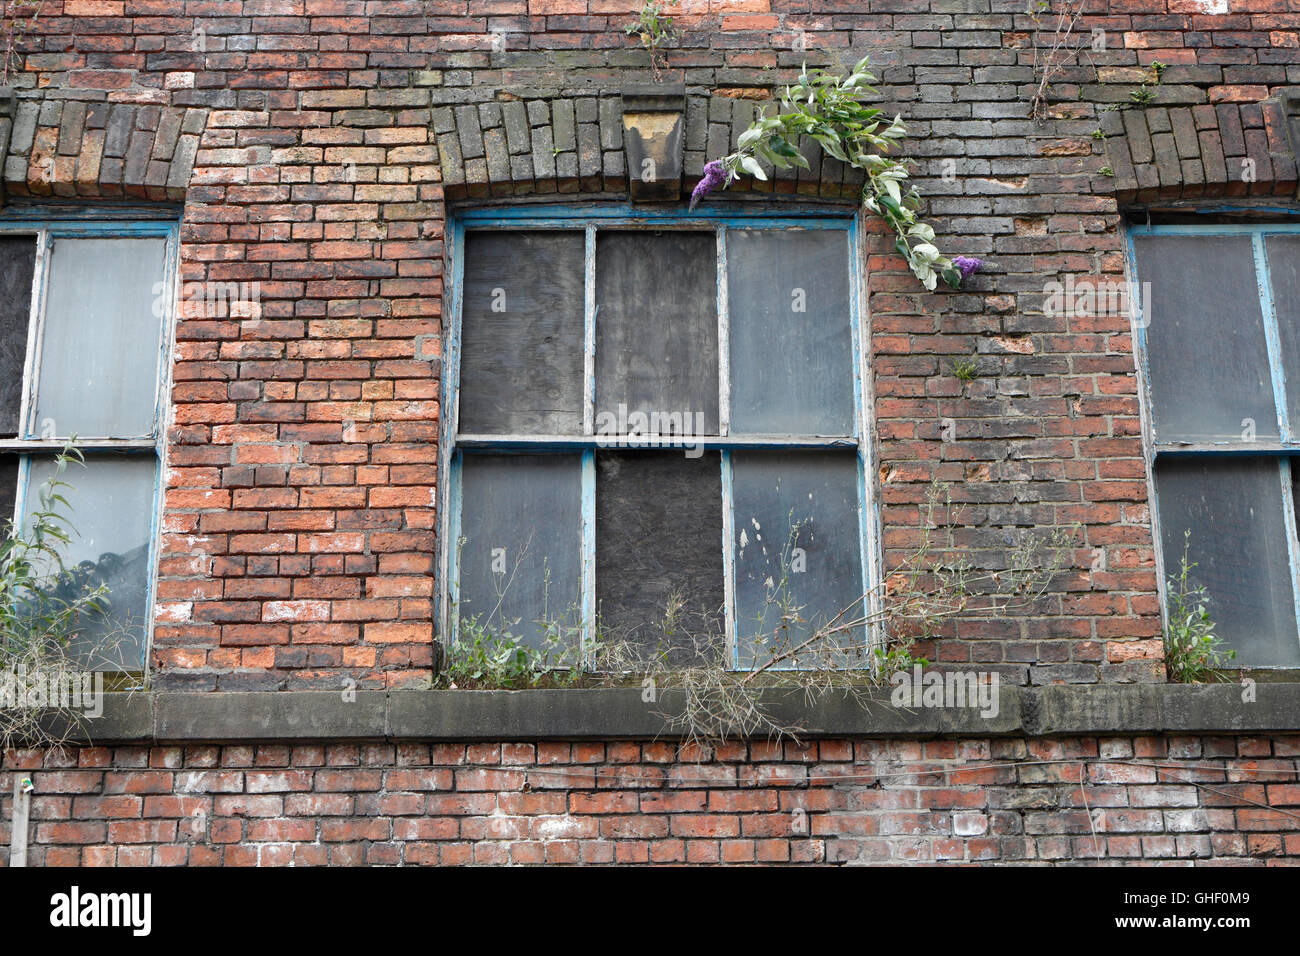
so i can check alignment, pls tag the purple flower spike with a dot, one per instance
(967, 265)
(713, 177)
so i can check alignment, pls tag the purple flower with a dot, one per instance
(713, 177)
(967, 265)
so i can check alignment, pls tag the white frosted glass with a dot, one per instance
(101, 343)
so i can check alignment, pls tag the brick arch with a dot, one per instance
(1208, 150)
(574, 144)
(98, 150)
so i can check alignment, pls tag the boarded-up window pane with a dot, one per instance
(1209, 362)
(1284, 273)
(99, 358)
(520, 558)
(522, 333)
(798, 552)
(112, 503)
(791, 342)
(657, 326)
(1233, 509)
(17, 264)
(659, 535)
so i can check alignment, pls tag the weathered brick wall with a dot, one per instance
(932, 801)
(300, 519)
(301, 462)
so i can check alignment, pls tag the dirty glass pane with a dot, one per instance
(656, 330)
(17, 263)
(1210, 377)
(519, 560)
(112, 507)
(659, 538)
(1233, 509)
(798, 552)
(521, 367)
(99, 358)
(790, 339)
(8, 490)
(1284, 273)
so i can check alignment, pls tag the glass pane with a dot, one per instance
(656, 329)
(8, 490)
(521, 367)
(1284, 274)
(1210, 377)
(798, 549)
(111, 502)
(658, 542)
(790, 339)
(99, 357)
(17, 264)
(519, 560)
(1233, 509)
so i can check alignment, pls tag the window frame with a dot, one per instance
(588, 217)
(47, 225)
(1286, 449)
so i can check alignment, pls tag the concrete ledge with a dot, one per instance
(270, 716)
(1167, 708)
(620, 713)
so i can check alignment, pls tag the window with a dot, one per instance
(1218, 332)
(83, 317)
(654, 406)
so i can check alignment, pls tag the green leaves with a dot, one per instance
(655, 31)
(750, 165)
(830, 110)
(488, 655)
(749, 137)
(1194, 654)
(43, 603)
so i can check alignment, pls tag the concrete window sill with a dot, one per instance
(619, 713)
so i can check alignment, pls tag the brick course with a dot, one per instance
(863, 801)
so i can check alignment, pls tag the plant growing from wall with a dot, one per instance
(832, 110)
(1194, 654)
(494, 657)
(691, 680)
(1139, 96)
(1052, 48)
(490, 651)
(44, 606)
(16, 20)
(704, 697)
(655, 31)
(965, 369)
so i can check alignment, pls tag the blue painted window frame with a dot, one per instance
(47, 224)
(1288, 445)
(588, 217)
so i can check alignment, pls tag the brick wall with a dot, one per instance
(926, 801)
(301, 474)
(316, 145)
(302, 459)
